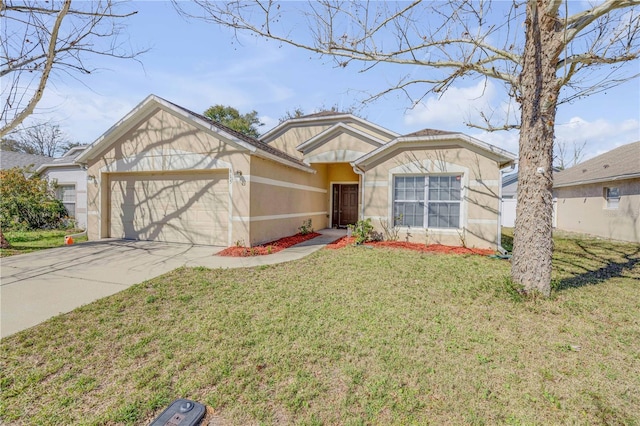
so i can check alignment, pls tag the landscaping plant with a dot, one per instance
(28, 202)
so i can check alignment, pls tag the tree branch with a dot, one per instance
(578, 22)
(19, 118)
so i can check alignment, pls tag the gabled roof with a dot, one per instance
(10, 159)
(326, 113)
(153, 102)
(325, 117)
(435, 139)
(333, 132)
(67, 160)
(428, 132)
(619, 163)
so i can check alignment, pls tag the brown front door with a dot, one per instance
(345, 204)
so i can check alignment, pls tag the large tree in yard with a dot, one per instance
(542, 52)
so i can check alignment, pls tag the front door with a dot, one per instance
(345, 205)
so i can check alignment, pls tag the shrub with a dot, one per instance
(363, 231)
(28, 202)
(306, 227)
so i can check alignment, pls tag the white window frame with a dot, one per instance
(426, 201)
(611, 203)
(60, 196)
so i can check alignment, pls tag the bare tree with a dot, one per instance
(40, 139)
(534, 48)
(568, 156)
(40, 39)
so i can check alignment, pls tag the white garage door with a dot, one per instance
(181, 208)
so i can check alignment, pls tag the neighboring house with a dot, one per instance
(10, 159)
(68, 178)
(70, 181)
(601, 196)
(509, 198)
(166, 173)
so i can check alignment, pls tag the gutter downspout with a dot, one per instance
(360, 172)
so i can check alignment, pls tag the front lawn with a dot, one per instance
(351, 336)
(28, 241)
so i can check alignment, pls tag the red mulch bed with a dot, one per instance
(268, 248)
(432, 248)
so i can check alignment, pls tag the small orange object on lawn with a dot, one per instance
(68, 240)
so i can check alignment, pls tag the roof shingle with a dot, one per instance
(10, 159)
(428, 132)
(617, 163)
(248, 139)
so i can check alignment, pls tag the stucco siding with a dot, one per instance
(343, 147)
(294, 136)
(371, 131)
(583, 209)
(480, 194)
(283, 197)
(341, 172)
(164, 143)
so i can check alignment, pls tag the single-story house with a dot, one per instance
(68, 178)
(601, 196)
(70, 182)
(166, 173)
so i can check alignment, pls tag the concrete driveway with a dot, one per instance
(40, 285)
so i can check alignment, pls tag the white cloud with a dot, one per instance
(459, 105)
(599, 135)
(502, 139)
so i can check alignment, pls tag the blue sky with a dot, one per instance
(197, 65)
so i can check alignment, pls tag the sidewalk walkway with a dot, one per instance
(296, 252)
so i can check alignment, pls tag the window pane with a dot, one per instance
(71, 209)
(454, 215)
(444, 215)
(67, 193)
(409, 214)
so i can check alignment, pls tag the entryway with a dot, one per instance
(345, 205)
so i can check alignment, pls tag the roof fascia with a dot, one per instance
(501, 156)
(143, 108)
(338, 128)
(598, 180)
(114, 131)
(273, 133)
(149, 104)
(44, 167)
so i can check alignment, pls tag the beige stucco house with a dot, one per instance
(166, 173)
(601, 196)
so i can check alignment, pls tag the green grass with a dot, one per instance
(29, 241)
(353, 336)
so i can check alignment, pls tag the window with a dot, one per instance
(434, 200)
(612, 195)
(67, 194)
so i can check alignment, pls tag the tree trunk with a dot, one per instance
(533, 243)
(3, 242)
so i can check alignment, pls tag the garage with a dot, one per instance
(173, 207)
